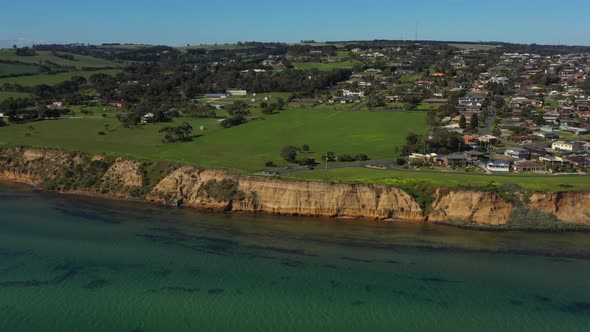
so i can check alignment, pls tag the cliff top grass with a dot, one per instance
(245, 148)
(402, 179)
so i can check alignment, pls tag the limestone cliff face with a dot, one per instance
(470, 206)
(218, 190)
(187, 185)
(122, 176)
(63, 171)
(568, 206)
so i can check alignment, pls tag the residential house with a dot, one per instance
(424, 84)
(237, 92)
(418, 158)
(456, 160)
(216, 95)
(115, 103)
(470, 140)
(474, 155)
(55, 104)
(519, 102)
(579, 161)
(499, 166)
(529, 166)
(343, 100)
(570, 146)
(489, 139)
(392, 99)
(499, 80)
(473, 99)
(351, 93)
(517, 153)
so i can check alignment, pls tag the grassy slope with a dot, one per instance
(43, 56)
(52, 79)
(366, 175)
(5, 95)
(244, 148)
(7, 69)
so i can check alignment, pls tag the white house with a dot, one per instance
(499, 166)
(350, 93)
(236, 92)
(567, 146)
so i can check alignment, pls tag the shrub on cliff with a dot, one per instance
(222, 191)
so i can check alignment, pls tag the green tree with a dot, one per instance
(375, 101)
(474, 121)
(361, 157)
(281, 104)
(538, 120)
(289, 153)
(499, 102)
(180, 133)
(462, 121)
(330, 156)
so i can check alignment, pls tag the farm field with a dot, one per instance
(323, 66)
(80, 61)
(243, 148)
(53, 79)
(400, 178)
(8, 69)
(5, 95)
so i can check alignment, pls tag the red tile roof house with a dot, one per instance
(439, 74)
(470, 140)
(116, 103)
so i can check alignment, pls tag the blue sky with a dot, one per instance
(176, 22)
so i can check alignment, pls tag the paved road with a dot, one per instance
(485, 130)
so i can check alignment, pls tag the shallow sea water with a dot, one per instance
(72, 263)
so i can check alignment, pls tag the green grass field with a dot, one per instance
(244, 148)
(400, 178)
(80, 61)
(428, 107)
(8, 69)
(323, 66)
(5, 95)
(53, 79)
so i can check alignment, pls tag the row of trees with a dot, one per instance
(290, 154)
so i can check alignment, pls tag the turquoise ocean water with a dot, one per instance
(71, 263)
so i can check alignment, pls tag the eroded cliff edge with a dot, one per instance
(189, 186)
